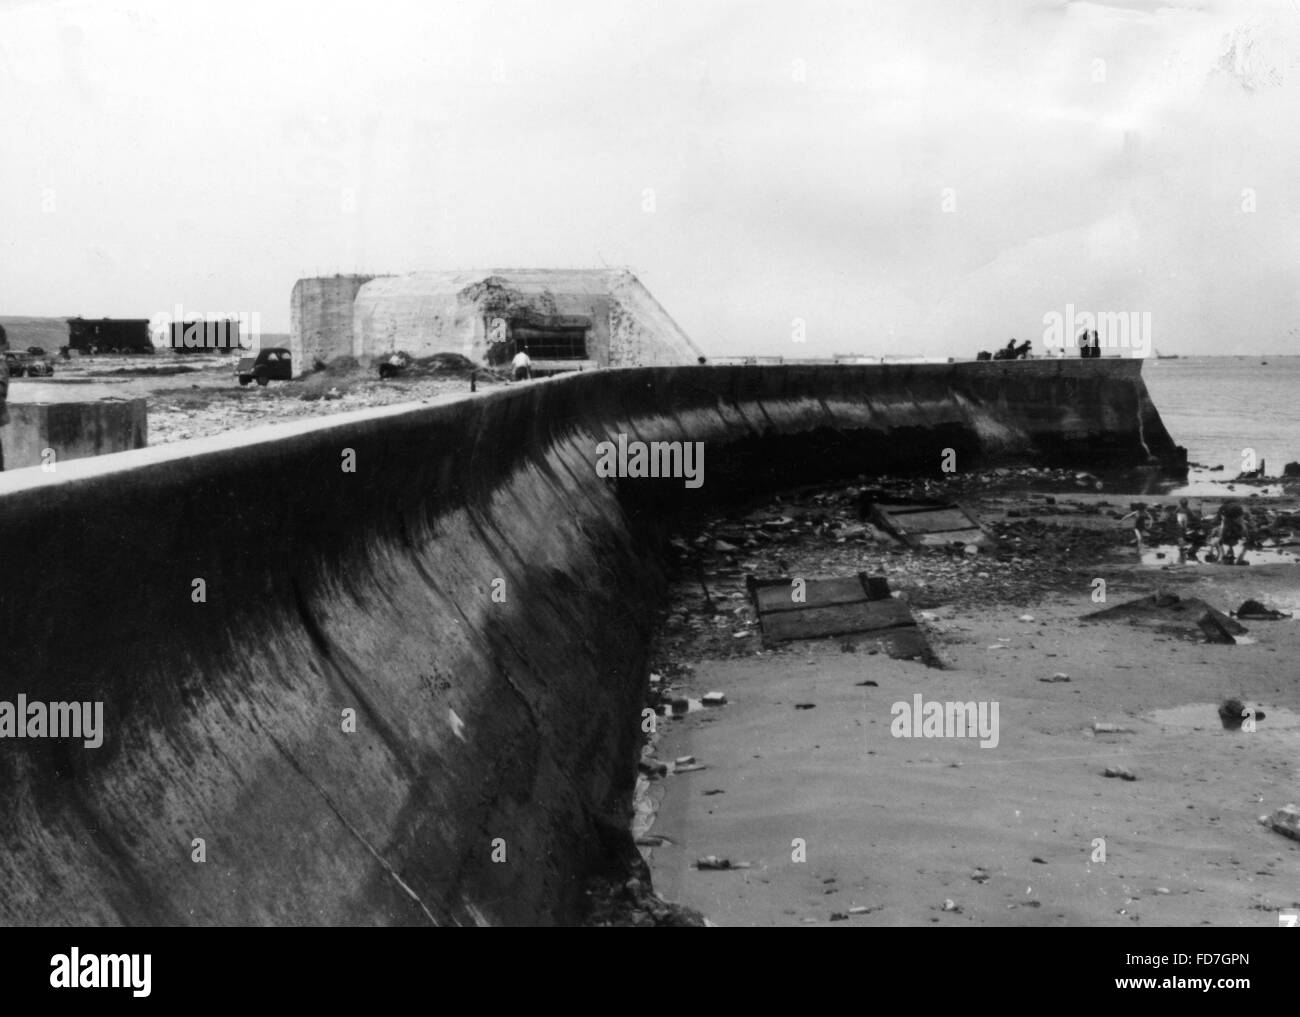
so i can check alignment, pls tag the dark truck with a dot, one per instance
(271, 364)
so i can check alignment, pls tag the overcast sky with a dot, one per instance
(902, 176)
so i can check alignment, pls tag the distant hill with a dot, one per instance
(52, 333)
(47, 333)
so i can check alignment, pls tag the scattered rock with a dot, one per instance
(805, 706)
(689, 768)
(1060, 676)
(684, 760)
(839, 916)
(653, 768)
(1286, 820)
(1253, 610)
(869, 682)
(1120, 772)
(714, 862)
(950, 905)
(1102, 727)
(714, 699)
(1233, 712)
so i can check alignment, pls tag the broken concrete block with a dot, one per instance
(1214, 630)
(1286, 820)
(714, 699)
(1120, 772)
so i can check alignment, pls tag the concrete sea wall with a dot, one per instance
(485, 727)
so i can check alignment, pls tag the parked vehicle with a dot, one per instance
(272, 364)
(28, 365)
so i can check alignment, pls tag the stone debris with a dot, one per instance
(1232, 712)
(1286, 821)
(714, 699)
(1253, 610)
(684, 760)
(714, 862)
(1060, 676)
(950, 905)
(1169, 613)
(653, 768)
(1214, 629)
(1120, 772)
(1104, 727)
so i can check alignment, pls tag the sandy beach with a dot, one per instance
(832, 819)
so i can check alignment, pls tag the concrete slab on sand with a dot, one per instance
(60, 428)
(1009, 833)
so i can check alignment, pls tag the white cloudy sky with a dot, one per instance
(904, 176)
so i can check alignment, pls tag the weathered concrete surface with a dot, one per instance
(71, 430)
(477, 721)
(449, 312)
(320, 318)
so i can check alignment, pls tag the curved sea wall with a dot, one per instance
(472, 591)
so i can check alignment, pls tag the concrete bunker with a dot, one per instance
(567, 320)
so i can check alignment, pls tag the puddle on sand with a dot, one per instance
(1167, 554)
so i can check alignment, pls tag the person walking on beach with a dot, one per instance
(523, 366)
(1141, 523)
(1188, 525)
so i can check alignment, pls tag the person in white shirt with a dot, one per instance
(523, 366)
